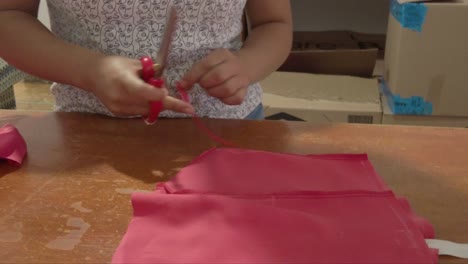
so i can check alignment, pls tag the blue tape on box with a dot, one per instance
(410, 15)
(415, 105)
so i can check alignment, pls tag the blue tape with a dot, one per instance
(410, 15)
(415, 105)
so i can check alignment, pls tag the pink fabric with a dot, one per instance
(242, 172)
(283, 209)
(12, 145)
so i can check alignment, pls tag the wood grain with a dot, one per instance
(70, 201)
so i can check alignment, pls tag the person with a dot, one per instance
(92, 53)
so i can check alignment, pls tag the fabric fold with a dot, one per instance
(236, 171)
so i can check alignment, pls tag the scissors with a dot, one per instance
(152, 72)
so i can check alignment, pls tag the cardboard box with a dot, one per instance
(325, 40)
(379, 69)
(414, 120)
(426, 57)
(371, 41)
(321, 98)
(331, 52)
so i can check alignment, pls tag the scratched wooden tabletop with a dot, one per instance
(70, 200)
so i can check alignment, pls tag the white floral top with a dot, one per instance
(134, 28)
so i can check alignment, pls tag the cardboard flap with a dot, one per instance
(356, 62)
(313, 87)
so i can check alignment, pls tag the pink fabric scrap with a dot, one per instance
(12, 145)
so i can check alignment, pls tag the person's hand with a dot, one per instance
(221, 74)
(117, 83)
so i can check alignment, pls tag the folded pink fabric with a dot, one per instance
(12, 145)
(243, 206)
(241, 172)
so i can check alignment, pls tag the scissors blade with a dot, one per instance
(166, 42)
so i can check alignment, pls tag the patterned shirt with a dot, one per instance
(134, 28)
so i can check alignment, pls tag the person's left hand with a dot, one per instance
(222, 75)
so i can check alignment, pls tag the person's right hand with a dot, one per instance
(117, 83)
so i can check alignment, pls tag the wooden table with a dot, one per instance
(70, 200)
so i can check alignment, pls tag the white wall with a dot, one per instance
(360, 15)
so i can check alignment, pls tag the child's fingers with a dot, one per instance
(237, 98)
(229, 88)
(171, 103)
(219, 74)
(147, 92)
(200, 68)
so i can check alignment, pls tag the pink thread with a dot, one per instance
(199, 123)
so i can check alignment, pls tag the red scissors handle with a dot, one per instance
(148, 74)
(153, 75)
